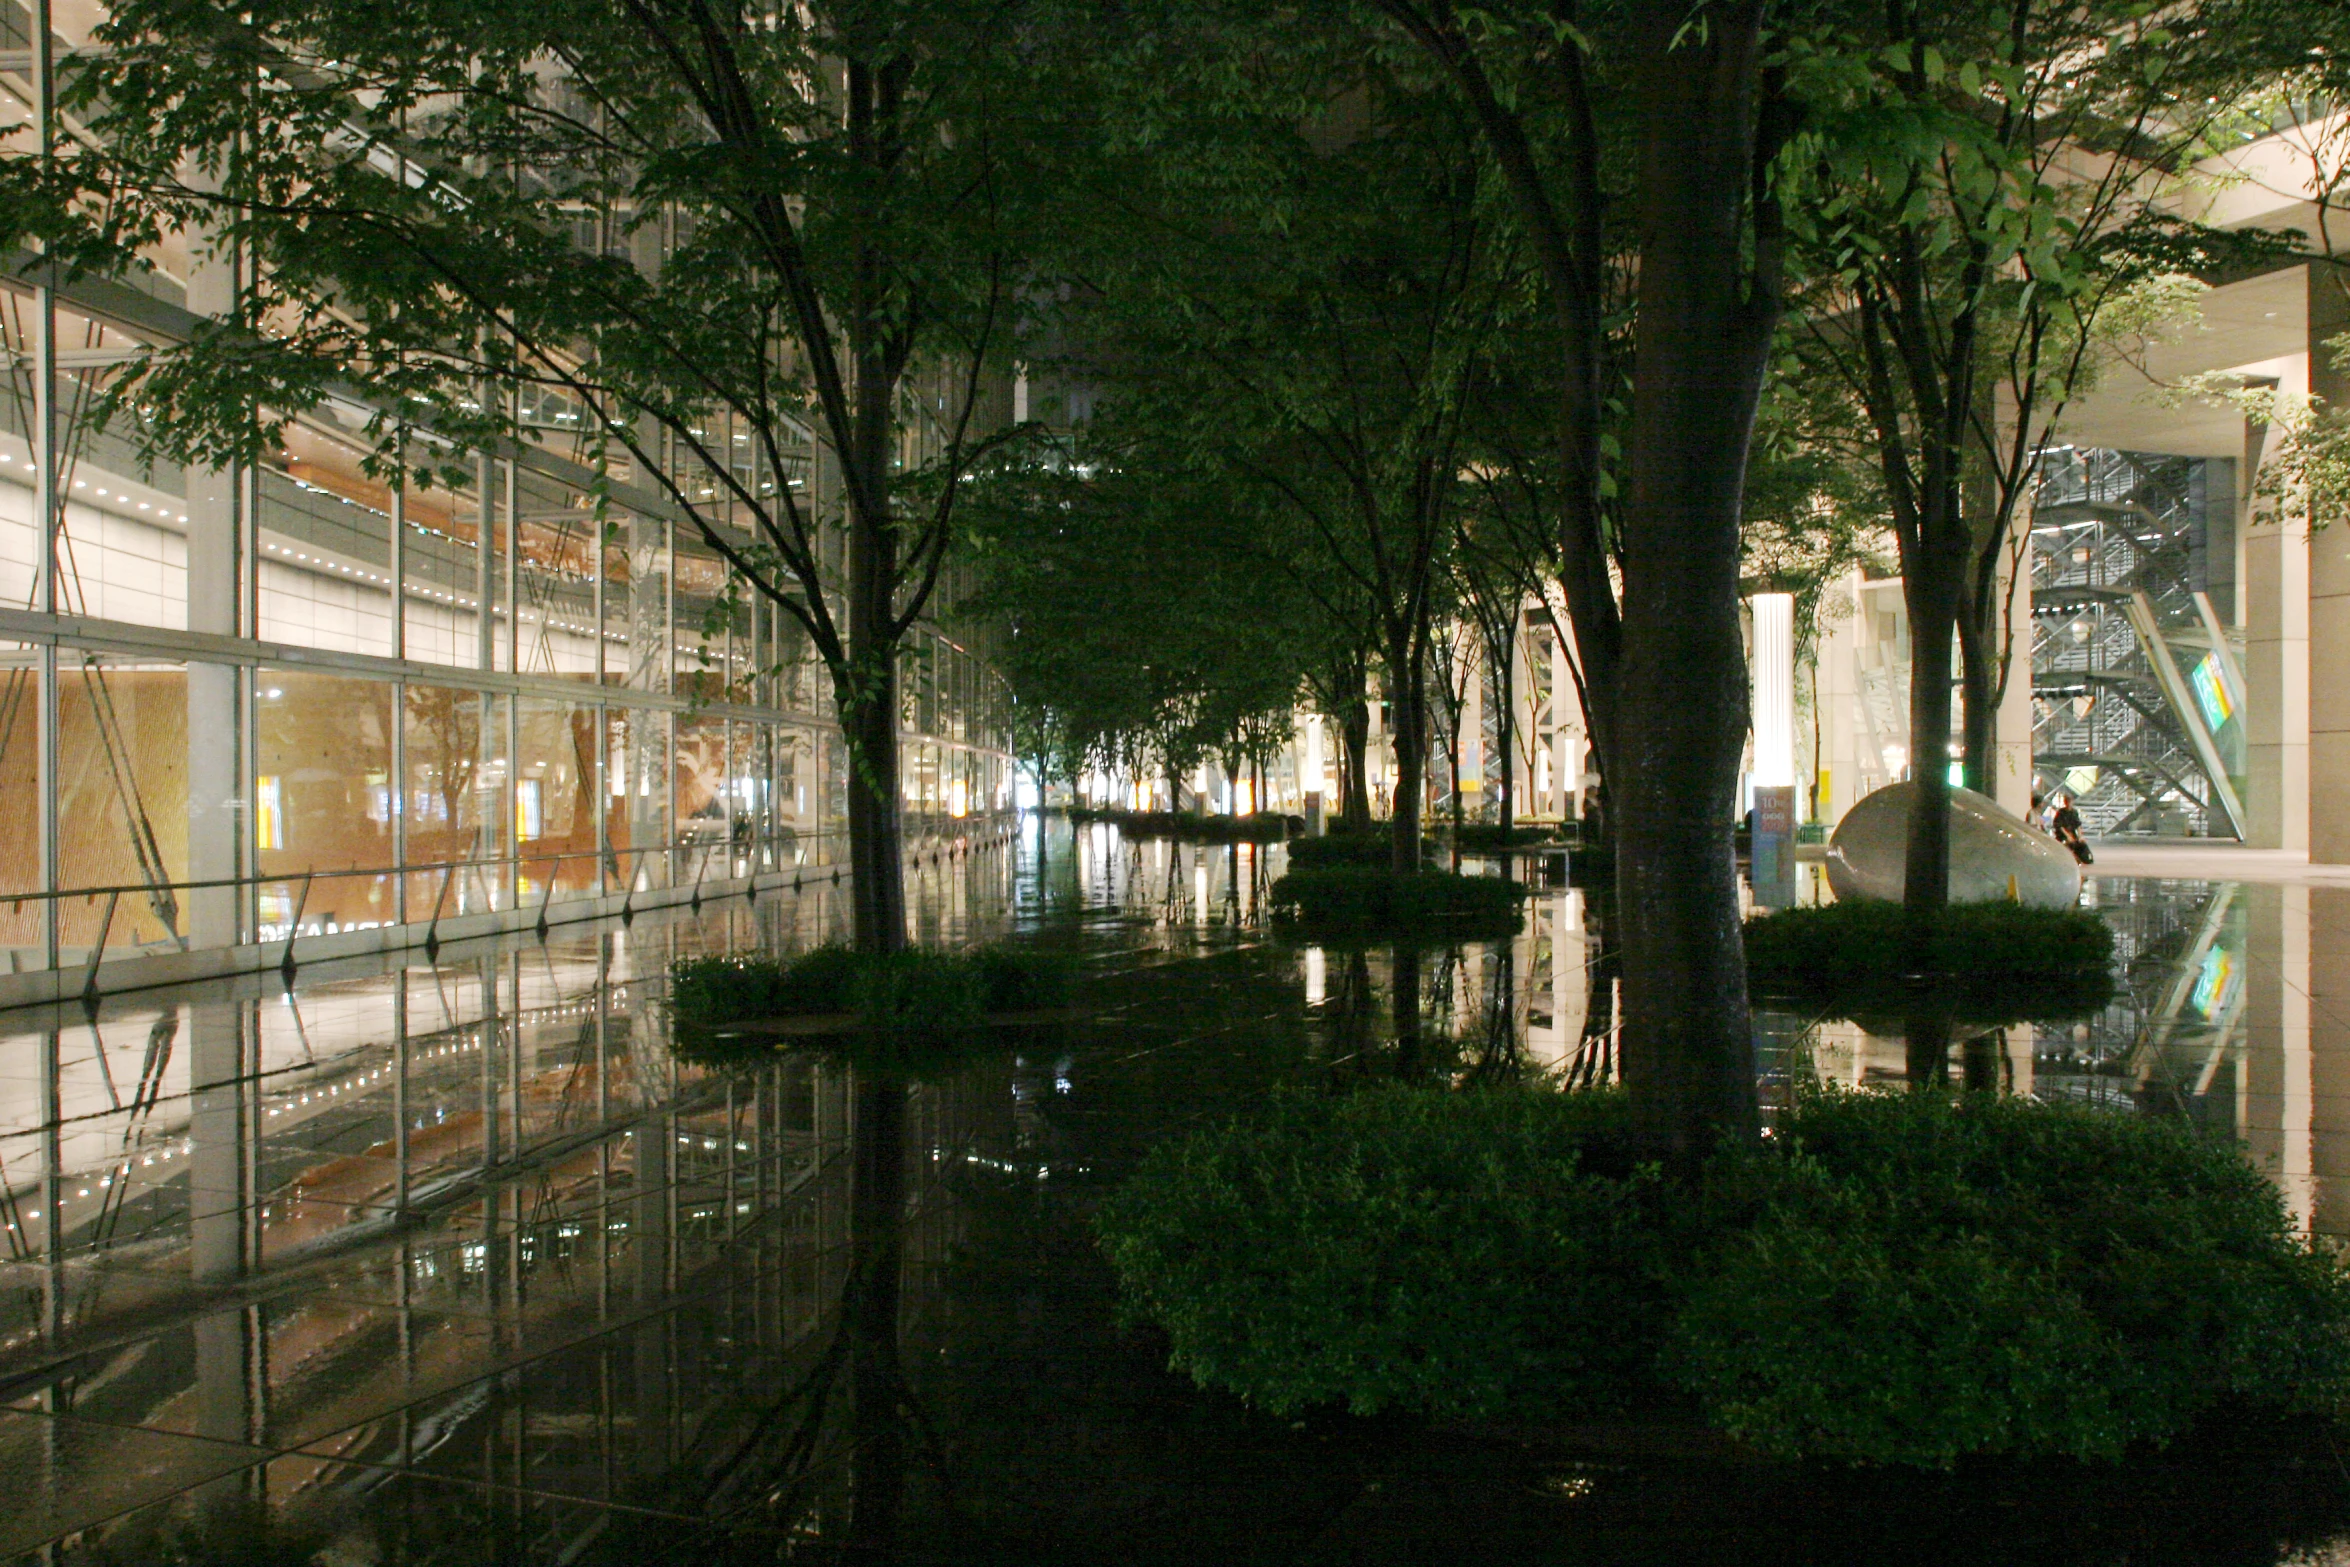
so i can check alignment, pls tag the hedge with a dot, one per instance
(1891, 1278)
(1363, 900)
(1996, 961)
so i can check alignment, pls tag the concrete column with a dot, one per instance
(1565, 760)
(1472, 725)
(1567, 716)
(2329, 1058)
(1313, 774)
(2277, 1098)
(218, 836)
(1570, 973)
(1771, 688)
(2275, 588)
(1524, 742)
(2329, 603)
(218, 1087)
(1835, 765)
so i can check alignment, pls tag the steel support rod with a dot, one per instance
(46, 489)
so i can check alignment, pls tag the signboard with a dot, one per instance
(1772, 870)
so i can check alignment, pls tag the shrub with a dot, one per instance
(1914, 1281)
(1485, 1253)
(1490, 837)
(913, 989)
(1993, 961)
(712, 991)
(1354, 898)
(1194, 827)
(1892, 1279)
(1022, 979)
(1371, 850)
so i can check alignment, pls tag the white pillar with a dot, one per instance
(2326, 616)
(1774, 689)
(2275, 585)
(1472, 723)
(1313, 780)
(217, 568)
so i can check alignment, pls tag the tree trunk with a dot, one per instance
(1408, 725)
(876, 1381)
(1926, 1050)
(868, 700)
(868, 707)
(1983, 1059)
(1980, 601)
(1702, 344)
(1507, 732)
(877, 885)
(1404, 968)
(1978, 666)
(1354, 729)
(1350, 1018)
(1930, 587)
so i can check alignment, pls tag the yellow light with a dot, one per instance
(269, 821)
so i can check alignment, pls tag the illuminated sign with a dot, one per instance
(2211, 693)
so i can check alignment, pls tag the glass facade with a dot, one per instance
(286, 703)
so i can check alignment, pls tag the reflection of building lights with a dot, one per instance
(269, 824)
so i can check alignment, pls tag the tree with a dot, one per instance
(1139, 633)
(2303, 61)
(1452, 642)
(1814, 510)
(1291, 274)
(1501, 558)
(1989, 184)
(1663, 115)
(707, 230)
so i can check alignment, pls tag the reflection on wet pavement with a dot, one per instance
(456, 1263)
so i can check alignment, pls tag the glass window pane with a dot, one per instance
(555, 798)
(323, 798)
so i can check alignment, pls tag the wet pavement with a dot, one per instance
(458, 1263)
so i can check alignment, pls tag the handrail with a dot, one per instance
(450, 869)
(423, 867)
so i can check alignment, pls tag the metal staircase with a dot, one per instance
(2137, 686)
